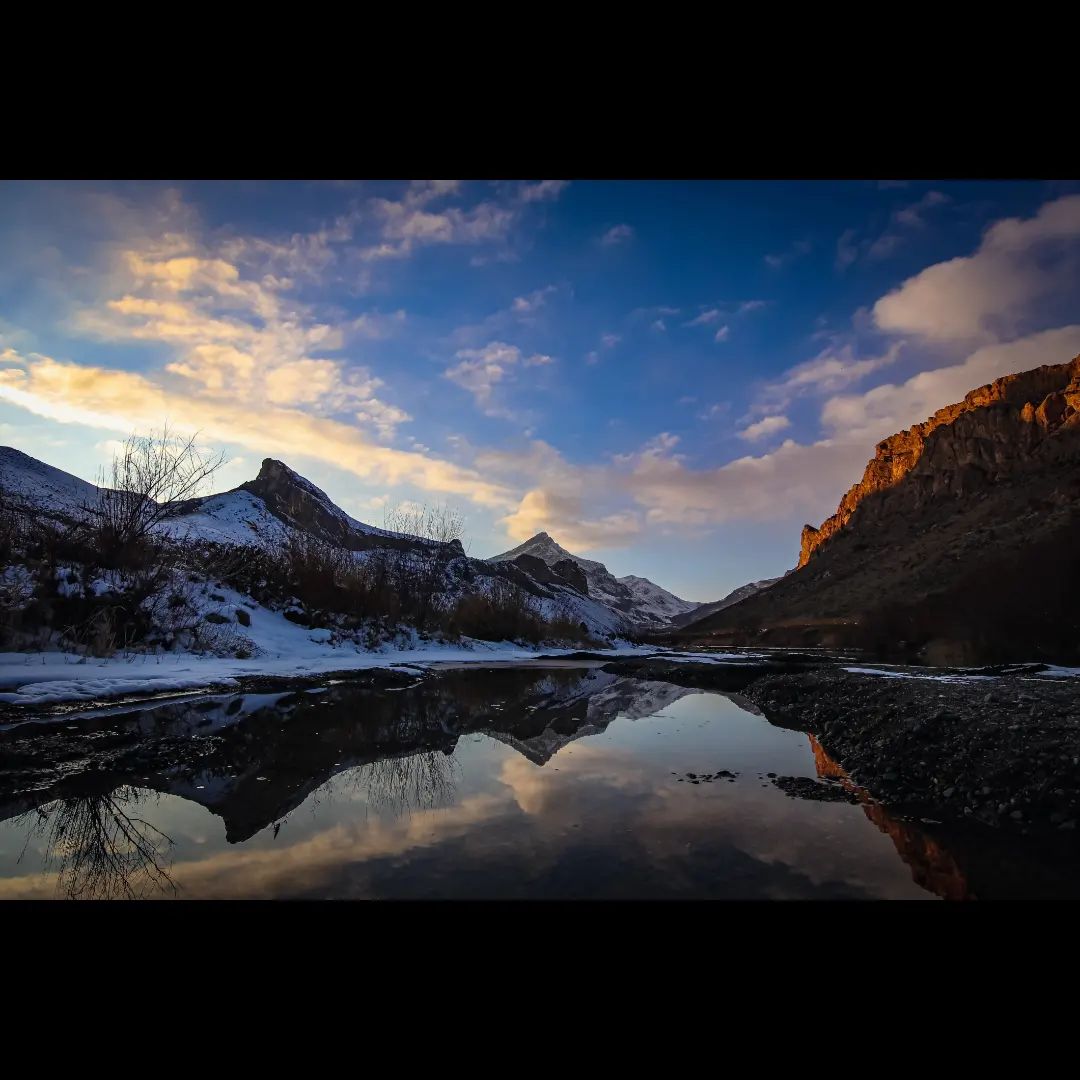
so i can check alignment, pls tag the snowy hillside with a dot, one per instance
(57, 493)
(279, 503)
(638, 601)
(652, 598)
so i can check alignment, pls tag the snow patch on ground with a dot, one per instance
(912, 675)
(51, 678)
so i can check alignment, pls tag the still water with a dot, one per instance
(500, 783)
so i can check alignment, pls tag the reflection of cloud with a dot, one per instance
(542, 794)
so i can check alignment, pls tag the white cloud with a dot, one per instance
(769, 425)
(408, 223)
(890, 408)
(617, 234)
(991, 294)
(722, 334)
(123, 401)
(784, 258)
(832, 369)
(481, 370)
(705, 318)
(544, 191)
(527, 305)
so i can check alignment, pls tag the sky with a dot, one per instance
(669, 376)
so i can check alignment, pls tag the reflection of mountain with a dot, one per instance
(570, 713)
(252, 759)
(973, 863)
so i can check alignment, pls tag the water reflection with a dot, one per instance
(100, 846)
(506, 782)
(969, 864)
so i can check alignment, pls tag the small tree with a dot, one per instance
(149, 476)
(420, 570)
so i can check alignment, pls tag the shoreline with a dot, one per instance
(1001, 751)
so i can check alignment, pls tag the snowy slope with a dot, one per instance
(234, 517)
(278, 503)
(34, 483)
(637, 600)
(652, 598)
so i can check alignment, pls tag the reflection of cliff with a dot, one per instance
(932, 866)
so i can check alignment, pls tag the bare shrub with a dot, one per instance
(149, 476)
(418, 573)
(503, 612)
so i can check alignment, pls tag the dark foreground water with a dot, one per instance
(502, 783)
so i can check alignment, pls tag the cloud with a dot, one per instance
(748, 306)
(832, 369)
(527, 305)
(609, 341)
(850, 248)
(564, 516)
(544, 191)
(847, 250)
(784, 258)
(722, 334)
(991, 294)
(711, 315)
(617, 234)
(481, 370)
(406, 224)
(770, 425)
(122, 401)
(890, 408)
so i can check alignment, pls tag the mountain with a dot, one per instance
(279, 502)
(55, 493)
(636, 600)
(741, 593)
(957, 545)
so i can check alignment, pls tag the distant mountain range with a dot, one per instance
(959, 544)
(639, 600)
(279, 502)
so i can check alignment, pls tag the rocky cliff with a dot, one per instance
(965, 447)
(957, 545)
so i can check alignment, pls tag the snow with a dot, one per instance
(234, 517)
(917, 675)
(41, 485)
(1053, 671)
(711, 658)
(286, 650)
(630, 599)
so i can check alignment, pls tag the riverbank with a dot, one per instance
(1000, 747)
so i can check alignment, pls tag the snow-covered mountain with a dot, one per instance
(279, 502)
(640, 602)
(55, 493)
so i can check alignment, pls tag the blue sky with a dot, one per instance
(671, 377)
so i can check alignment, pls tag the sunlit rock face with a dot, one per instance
(957, 546)
(964, 448)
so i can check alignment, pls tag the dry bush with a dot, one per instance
(149, 477)
(416, 575)
(502, 613)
